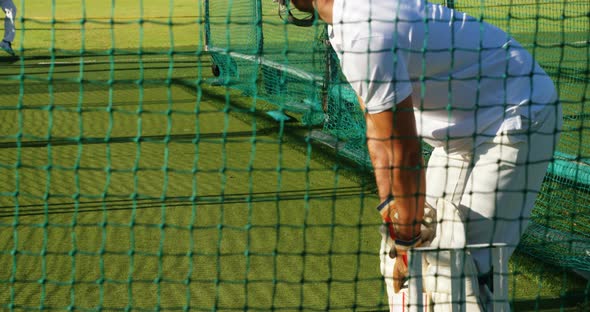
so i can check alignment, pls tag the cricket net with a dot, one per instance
(190, 155)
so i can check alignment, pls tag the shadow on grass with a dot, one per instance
(122, 204)
(165, 138)
(567, 302)
(8, 59)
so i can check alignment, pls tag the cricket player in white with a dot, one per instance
(424, 71)
(9, 10)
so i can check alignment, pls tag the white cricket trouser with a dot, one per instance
(495, 187)
(9, 10)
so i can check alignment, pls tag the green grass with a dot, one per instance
(74, 25)
(165, 212)
(129, 182)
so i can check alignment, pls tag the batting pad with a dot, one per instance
(442, 270)
(400, 302)
(450, 288)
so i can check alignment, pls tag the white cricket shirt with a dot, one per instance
(468, 79)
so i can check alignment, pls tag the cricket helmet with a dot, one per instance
(291, 15)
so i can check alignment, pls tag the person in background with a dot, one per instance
(9, 28)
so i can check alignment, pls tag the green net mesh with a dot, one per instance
(179, 156)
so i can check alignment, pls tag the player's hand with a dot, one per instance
(389, 231)
(398, 249)
(400, 271)
(387, 210)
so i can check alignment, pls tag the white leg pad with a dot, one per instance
(451, 274)
(401, 302)
(443, 303)
(453, 287)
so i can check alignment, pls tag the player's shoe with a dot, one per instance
(7, 47)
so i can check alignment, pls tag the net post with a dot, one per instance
(207, 24)
(259, 33)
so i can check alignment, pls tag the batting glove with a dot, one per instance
(397, 247)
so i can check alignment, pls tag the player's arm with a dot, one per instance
(396, 155)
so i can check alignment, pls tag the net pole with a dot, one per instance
(259, 33)
(327, 70)
(207, 24)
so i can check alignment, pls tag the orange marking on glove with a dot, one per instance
(390, 226)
